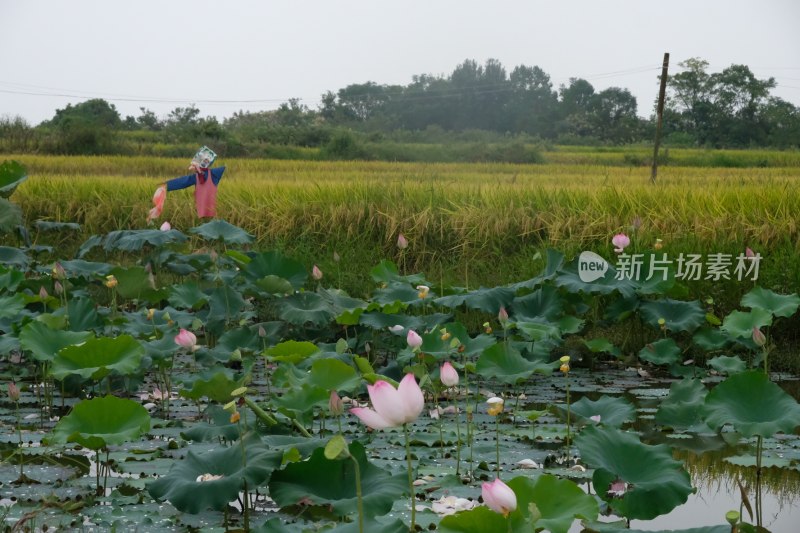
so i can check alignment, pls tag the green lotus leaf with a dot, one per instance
(299, 401)
(187, 296)
(214, 384)
(727, 365)
(753, 405)
(488, 300)
(332, 374)
(332, 484)
(545, 302)
(661, 352)
(570, 280)
(558, 503)
(135, 283)
(740, 323)
(602, 346)
(781, 305)
(387, 272)
(506, 364)
(273, 263)
(86, 269)
(247, 464)
(612, 411)
(554, 263)
(44, 342)
(10, 278)
(370, 524)
(291, 351)
(10, 215)
(621, 308)
(98, 357)
(378, 320)
(12, 174)
(220, 230)
(305, 308)
(224, 303)
(134, 240)
(397, 291)
(478, 520)
(539, 329)
(273, 284)
(711, 339)
(682, 409)
(100, 422)
(12, 306)
(679, 315)
(50, 225)
(82, 315)
(442, 348)
(654, 482)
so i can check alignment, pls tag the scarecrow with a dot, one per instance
(205, 180)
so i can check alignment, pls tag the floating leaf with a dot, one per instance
(727, 365)
(661, 352)
(753, 405)
(678, 315)
(612, 411)
(682, 409)
(654, 483)
(100, 422)
(332, 483)
(96, 358)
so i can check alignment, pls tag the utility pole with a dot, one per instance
(660, 115)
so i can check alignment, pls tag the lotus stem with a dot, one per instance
(410, 480)
(359, 495)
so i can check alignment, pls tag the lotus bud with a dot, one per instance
(58, 288)
(397, 328)
(499, 497)
(262, 332)
(58, 271)
(151, 313)
(748, 253)
(758, 337)
(502, 315)
(335, 404)
(166, 226)
(316, 273)
(13, 392)
(495, 406)
(43, 293)
(620, 242)
(186, 339)
(336, 257)
(413, 339)
(448, 375)
(402, 242)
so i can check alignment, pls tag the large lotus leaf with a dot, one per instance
(740, 323)
(12, 306)
(478, 520)
(506, 364)
(782, 305)
(300, 400)
(187, 296)
(441, 348)
(305, 308)
(558, 503)
(602, 345)
(50, 225)
(612, 411)
(727, 365)
(220, 230)
(249, 462)
(711, 338)
(387, 272)
(135, 283)
(661, 352)
(332, 484)
(291, 351)
(134, 240)
(96, 358)
(100, 422)
(753, 405)
(332, 374)
(224, 303)
(10, 256)
(397, 291)
(555, 261)
(82, 314)
(655, 482)
(10, 278)
(44, 342)
(539, 329)
(545, 302)
(682, 409)
(12, 174)
(483, 299)
(86, 269)
(220, 426)
(10, 215)
(570, 280)
(378, 320)
(214, 384)
(272, 263)
(679, 315)
(245, 339)
(370, 524)
(621, 308)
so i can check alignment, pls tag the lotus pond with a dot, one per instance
(163, 380)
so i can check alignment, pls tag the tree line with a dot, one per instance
(475, 103)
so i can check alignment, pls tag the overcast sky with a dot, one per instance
(256, 54)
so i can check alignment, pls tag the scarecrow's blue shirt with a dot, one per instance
(187, 181)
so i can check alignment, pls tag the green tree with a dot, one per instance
(86, 128)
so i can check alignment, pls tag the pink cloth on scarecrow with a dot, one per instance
(158, 203)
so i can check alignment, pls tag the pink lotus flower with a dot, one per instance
(448, 375)
(620, 241)
(499, 497)
(166, 226)
(748, 253)
(402, 242)
(413, 339)
(335, 404)
(316, 273)
(758, 337)
(186, 339)
(392, 407)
